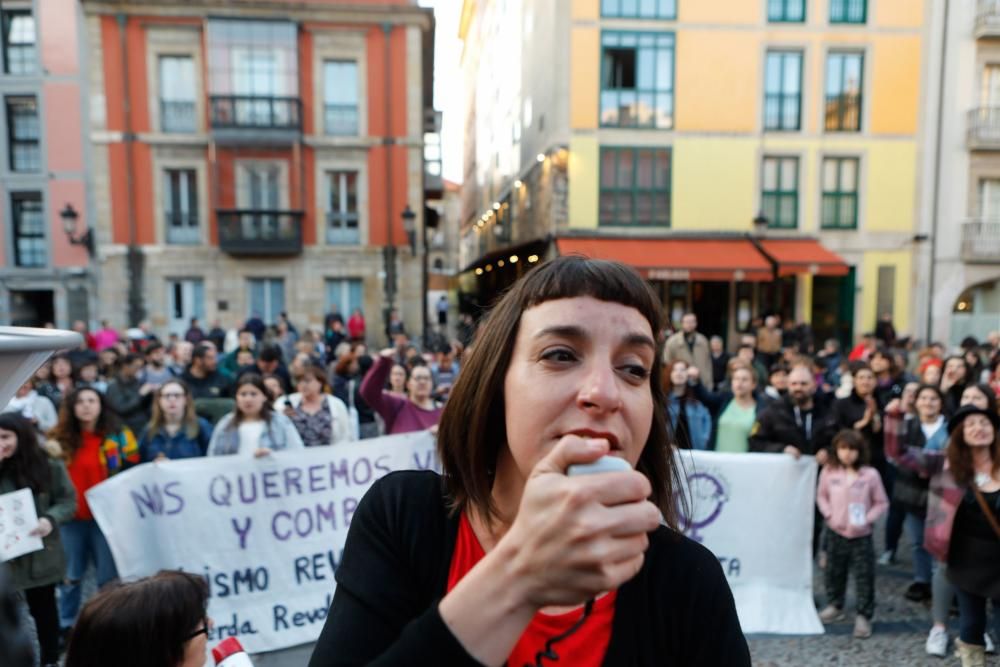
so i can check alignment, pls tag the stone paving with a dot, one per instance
(900, 629)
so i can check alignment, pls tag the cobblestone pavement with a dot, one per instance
(900, 628)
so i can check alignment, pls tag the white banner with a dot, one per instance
(755, 512)
(268, 533)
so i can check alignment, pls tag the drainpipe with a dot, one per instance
(134, 257)
(389, 251)
(936, 192)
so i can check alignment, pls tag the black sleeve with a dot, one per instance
(714, 401)
(382, 611)
(714, 634)
(762, 434)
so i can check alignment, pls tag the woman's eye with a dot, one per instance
(560, 355)
(636, 371)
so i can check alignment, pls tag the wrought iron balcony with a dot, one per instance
(984, 129)
(255, 119)
(260, 232)
(981, 242)
(987, 19)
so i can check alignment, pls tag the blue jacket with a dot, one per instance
(699, 421)
(180, 446)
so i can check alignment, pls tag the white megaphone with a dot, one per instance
(23, 350)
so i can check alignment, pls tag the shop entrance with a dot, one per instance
(32, 308)
(710, 302)
(833, 309)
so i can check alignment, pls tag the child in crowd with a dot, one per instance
(850, 498)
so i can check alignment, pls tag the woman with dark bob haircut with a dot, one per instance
(159, 621)
(506, 558)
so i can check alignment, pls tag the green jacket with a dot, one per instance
(58, 505)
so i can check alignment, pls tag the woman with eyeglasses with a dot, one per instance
(416, 412)
(175, 431)
(159, 621)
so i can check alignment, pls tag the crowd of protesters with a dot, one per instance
(906, 431)
(890, 424)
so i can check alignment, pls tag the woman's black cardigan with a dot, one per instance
(678, 610)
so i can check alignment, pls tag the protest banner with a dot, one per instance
(268, 533)
(755, 512)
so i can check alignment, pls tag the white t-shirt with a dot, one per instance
(250, 433)
(932, 428)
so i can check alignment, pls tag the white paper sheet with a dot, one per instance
(17, 519)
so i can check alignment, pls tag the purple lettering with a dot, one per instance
(308, 523)
(366, 467)
(326, 513)
(247, 495)
(315, 479)
(220, 491)
(293, 478)
(274, 525)
(350, 504)
(270, 484)
(336, 472)
(242, 531)
(168, 491)
(381, 466)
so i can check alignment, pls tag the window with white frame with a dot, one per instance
(266, 298)
(340, 97)
(344, 293)
(180, 201)
(177, 94)
(342, 208)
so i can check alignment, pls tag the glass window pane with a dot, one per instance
(772, 73)
(625, 176)
(623, 208)
(770, 174)
(645, 68)
(834, 74)
(609, 108)
(830, 175)
(340, 82)
(662, 170)
(644, 110)
(609, 7)
(786, 212)
(667, 9)
(644, 169)
(789, 174)
(608, 168)
(769, 206)
(607, 205)
(665, 69)
(792, 73)
(665, 111)
(848, 175)
(852, 73)
(629, 7)
(644, 208)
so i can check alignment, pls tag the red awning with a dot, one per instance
(803, 256)
(725, 260)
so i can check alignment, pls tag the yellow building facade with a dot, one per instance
(720, 130)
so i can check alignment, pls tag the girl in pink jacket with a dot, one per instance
(850, 498)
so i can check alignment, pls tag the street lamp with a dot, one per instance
(408, 225)
(70, 217)
(760, 224)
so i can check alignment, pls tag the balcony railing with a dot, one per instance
(249, 112)
(987, 18)
(182, 228)
(843, 112)
(260, 232)
(984, 128)
(981, 242)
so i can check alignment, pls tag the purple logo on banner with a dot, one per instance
(707, 496)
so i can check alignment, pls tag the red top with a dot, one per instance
(86, 471)
(584, 648)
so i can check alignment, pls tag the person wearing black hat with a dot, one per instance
(963, 516)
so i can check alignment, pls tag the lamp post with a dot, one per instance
(86, 238)
(760, 224)
(409, 218)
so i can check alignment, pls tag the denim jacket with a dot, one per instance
(699, 420)
(177, 446)
(279, 433)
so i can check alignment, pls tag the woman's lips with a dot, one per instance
(600, 435)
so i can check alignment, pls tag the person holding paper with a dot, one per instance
(23, 464)
(95, 446)
(506, 557)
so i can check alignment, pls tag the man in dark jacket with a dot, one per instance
(129, 396)
(798, 424)
(203, 376)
